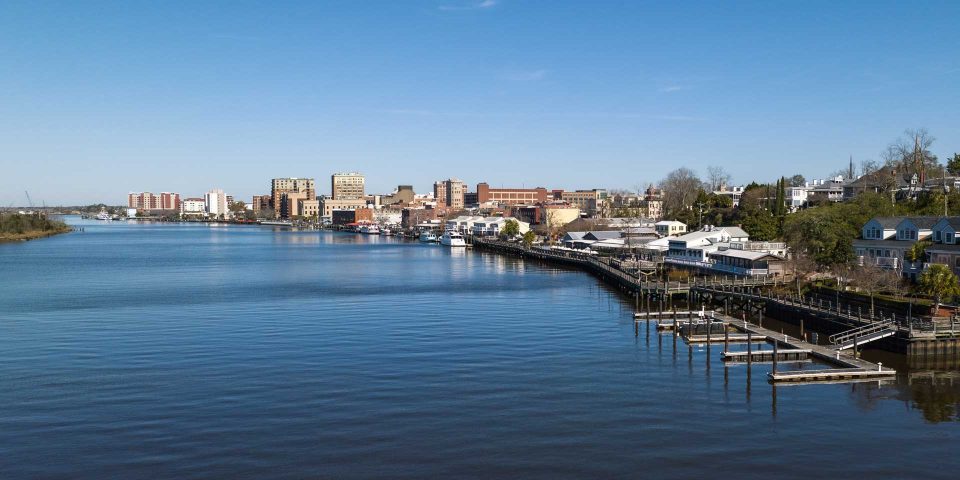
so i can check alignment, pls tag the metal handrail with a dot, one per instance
(844, 337)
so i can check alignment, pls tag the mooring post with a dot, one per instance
(802, 335)
(726, 339)
(749, 346)
(775, 343)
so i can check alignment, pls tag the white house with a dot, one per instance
(694, 248)
(669, 228)
(796, 197)
(733, 192)
(885, 241)
(463, 224)
(491, 226)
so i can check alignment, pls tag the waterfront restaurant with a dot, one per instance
(747, 262)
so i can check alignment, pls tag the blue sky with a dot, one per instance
(101, 98)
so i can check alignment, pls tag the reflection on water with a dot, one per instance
(182, 351)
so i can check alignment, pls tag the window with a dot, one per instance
(936, 235)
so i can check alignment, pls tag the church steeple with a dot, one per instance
(850, 171)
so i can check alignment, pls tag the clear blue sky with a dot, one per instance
(101, 98)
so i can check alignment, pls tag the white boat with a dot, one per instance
(370, 229)
(103, 215)
(276, 223)
(386, 232)
(428, 236)
(452, 238)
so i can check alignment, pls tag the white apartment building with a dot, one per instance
(215, 203)
(193, 206)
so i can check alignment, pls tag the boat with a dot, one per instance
(452, 238)
(427, 236)
(370, 229)
(103, 215)
(386, 232)
(277, 223)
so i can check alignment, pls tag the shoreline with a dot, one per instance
(31, 235)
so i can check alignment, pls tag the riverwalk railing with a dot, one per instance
(912, 326)
(607, 267)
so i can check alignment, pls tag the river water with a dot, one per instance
(195, 351)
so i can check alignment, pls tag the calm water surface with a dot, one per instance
(181, 351)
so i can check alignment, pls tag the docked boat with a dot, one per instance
(386, 232)
(103, 215)
(370, 230)
(428, 237)
(277, 223)
(452, 238)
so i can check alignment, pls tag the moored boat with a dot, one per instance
(452, 238)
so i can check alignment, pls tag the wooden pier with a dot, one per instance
(766, 355)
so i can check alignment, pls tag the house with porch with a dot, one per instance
(886, 241)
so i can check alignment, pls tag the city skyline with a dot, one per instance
(101, 99)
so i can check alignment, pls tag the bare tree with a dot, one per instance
(717, 178)
(870, 279)
(680, 189)
(868, 167)
(802, 266)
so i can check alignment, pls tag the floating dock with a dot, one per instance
(849, 368)
(767, 355)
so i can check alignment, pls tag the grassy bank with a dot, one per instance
(17, 227)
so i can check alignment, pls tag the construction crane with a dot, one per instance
(28, 199)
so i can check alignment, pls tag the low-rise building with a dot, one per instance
(411, 217)
(510, 196)
(887, 241)
(491, 226)
(670, 228)
(195, 207)
(886, 180)
(345, 217)
(726, 250)
(592, 202)
(403, 195)
(309, 208)
(550, 214)
(328, 205)
(463, 224)
(734, 193)
(826, 190)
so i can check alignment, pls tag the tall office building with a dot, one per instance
(215, 202)
(450, 193)
(347, 186)
(281, 187)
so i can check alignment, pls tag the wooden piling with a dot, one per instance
(775, 343)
